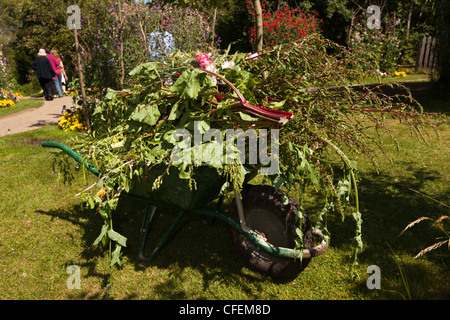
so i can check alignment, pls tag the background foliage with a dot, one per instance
(111, 36)
(115, 40)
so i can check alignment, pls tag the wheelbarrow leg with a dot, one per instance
(150, 212)
(144, 233)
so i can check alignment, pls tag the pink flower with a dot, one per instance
(204, 60)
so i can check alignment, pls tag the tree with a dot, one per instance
(443, 44)
(7, 23)
(336, 15)
(37, 27)
(259, 25)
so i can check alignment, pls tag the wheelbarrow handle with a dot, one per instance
(73, 154)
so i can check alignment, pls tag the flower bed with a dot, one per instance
(9, 99)
(72, 119)
(400, 74)
(285, 25)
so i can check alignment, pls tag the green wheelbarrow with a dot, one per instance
(262, 226)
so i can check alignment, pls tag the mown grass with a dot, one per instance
(410, 77)
(44, 228)
(22, 105)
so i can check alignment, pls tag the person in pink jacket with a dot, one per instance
(57, 69)
(59, 75)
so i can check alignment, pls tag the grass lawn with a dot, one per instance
(23, 104)
(44, 228)
(410, 77)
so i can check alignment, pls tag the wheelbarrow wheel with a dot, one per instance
(265, 213)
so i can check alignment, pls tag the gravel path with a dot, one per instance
(49, 113)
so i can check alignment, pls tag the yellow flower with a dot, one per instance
(72, 121)
(7, 103)
(400, 74)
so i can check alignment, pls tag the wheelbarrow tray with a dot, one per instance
(174, 191)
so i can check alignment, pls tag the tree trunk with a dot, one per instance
(80, 74)
(213, 35)
(259, 25)
(350, 31)
(122, 67)
(409, 19)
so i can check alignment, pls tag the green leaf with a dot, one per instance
(116, 256)
(148, 114)
(275, 105)
(184, 172)
(118, 145)
(102, 235)
(343, 188)
(188, 85)
(321, 223)
(176, 110)
(139, 70)
(247, 117)
(113, 235)
(357, 240)
(103, 212)
(90, 201)
(313, 176)
(278, 182)
(110, 94)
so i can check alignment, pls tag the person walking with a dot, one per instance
(44, 72)
(160, 43)
(64, 78)
(52, 60)
(58, 76)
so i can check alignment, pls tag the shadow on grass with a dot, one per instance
(389, 204)
(194, 245)
(432, 97)
(91, 224)
(197, 244)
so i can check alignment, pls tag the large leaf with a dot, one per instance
(148, 114)
(139, 70)
(189, 84)
(117, 237)
(102, 235)
(116, 256)
(177, 109)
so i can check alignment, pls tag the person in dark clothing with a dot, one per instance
(44, 73)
